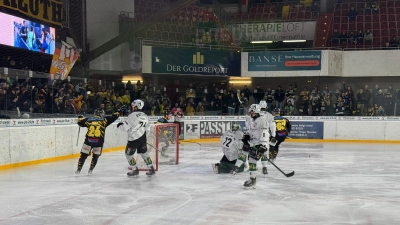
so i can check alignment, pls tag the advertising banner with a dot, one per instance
(193, 61)
(284, 61)
(192, 129)
(307, 130)
(213, 129)
(64, 59)
(51, 11)
(274, 31)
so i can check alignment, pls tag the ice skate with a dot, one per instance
(234, 170)
(151, 172)
(90, 172)
(78, 171)
(133, 173)
(250, 184)
(264, 171)
(215, 167)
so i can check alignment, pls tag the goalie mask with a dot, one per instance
(263, 104)
(235, 127)
(99, 112)
(138, 103)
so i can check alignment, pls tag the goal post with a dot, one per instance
(162, 145)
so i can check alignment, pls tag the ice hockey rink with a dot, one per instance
(334, 183)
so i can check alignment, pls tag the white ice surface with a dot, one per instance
(333, 184)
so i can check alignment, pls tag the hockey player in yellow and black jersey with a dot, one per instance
(283, 129)
(166, 134)
(94, 139)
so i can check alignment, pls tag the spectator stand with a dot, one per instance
(382, 18)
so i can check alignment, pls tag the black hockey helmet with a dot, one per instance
(167, 112)
(277, 112)
(99, 112)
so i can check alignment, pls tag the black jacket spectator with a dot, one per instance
(258, 94)
(279, 94)
(394, 43)
(352, 14)
(246, 92)
(343, 37)
(335, 37)
(212, 107)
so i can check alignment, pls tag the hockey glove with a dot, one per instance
(246, 138)
(272, 141)
(119, 124)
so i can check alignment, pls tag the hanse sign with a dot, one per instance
(284, 61)
(192, 61)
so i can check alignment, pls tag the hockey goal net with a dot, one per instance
(162, 145)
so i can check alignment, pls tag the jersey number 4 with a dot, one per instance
(227, 142)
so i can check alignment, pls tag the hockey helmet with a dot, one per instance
(252, 107)
(99, 112)
(263, 104)
(167, 112)
(235, 126)
(277, 112)
(138, 103)
(255, 108)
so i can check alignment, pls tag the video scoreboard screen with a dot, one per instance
(22, 33)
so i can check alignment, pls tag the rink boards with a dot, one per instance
(33, 140)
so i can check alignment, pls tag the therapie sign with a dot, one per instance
(275, 31)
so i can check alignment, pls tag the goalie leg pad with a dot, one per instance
(226, 167)
(146, 159)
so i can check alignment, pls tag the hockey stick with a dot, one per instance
(152, 146)
(77, 139)
(286, 174)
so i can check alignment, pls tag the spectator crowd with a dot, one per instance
(63, 97)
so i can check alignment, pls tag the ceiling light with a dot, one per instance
(240, 81)
(287, 41)
(260, 42)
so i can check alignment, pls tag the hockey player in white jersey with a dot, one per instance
(231, 142)
(256, 151)
(268, 135)
(136, 125)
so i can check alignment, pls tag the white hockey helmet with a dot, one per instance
(255, 108)
(138, 103)
(252, 107)
(263, 104)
